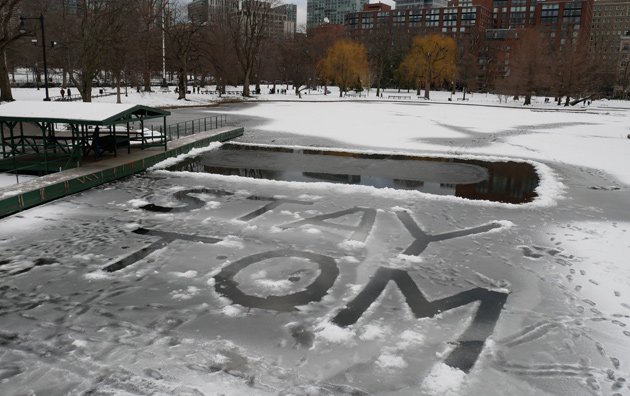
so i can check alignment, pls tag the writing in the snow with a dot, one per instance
(467, 347)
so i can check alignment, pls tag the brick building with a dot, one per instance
(451, 20)
(489, 27)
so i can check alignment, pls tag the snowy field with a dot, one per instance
(174, 282)
(169, 99)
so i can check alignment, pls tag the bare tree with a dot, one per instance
(573, 68)
(379, 46)
(91, 33)
(249, 26)
(624, 78)
(320, 40)
(116, 60)
(530, 71)
(217, 49)
(297, 62)
(8, 34)
(469, 68)
(146, 37)
(184, 36)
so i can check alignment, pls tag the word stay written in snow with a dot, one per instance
(468, 346)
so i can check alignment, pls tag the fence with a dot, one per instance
(186, 128)
(72, 98)
(50, 161)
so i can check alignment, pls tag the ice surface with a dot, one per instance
(164, 324)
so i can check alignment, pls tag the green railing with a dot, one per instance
(186, 128)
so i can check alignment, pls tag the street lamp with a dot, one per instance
(164, 5)
(41, 23)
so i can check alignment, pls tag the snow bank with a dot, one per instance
(443, 380)
(192, 153)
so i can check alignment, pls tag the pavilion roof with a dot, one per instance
(77, 112)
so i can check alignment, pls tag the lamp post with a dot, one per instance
(41, 23)
(164, 5)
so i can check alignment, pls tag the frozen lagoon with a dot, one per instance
(162, 326)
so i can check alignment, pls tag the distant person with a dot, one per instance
(96, 144)
(68, 92)
(63, 93)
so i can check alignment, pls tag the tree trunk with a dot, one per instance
(146, 79)
(181, 83)
(464, 91)
(340, 91)
(566, 103)
(427, 89)
(528, 100)
(5, 85)
(221, 87)
(117, 81)
(85, 89)
(246, 83)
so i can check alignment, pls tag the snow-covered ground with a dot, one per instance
(259, 287)
(159, 98)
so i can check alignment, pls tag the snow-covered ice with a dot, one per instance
(228, 298)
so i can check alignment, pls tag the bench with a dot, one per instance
(399, 97)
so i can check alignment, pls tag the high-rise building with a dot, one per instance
(198, 11)
(330, 11)
(290, 22)
(412, 4)
(610, 36)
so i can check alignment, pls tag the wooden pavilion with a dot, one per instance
(45, 137)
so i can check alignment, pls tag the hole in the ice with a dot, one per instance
(277, 276)
(509, 182)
